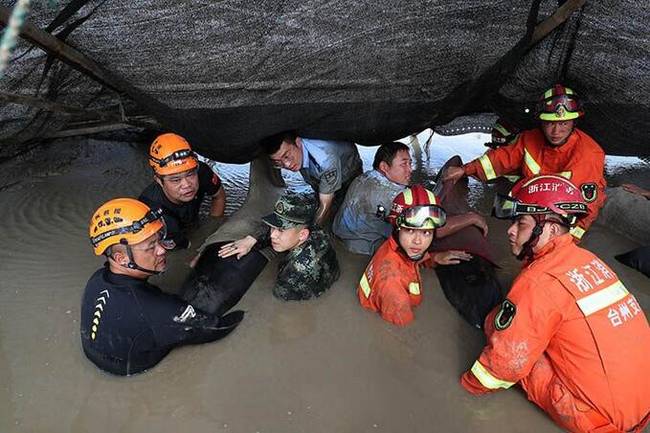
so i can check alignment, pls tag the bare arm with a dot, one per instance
(324, 208)
(456, 223)
(218, 203)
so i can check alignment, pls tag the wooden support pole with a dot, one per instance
(44, 104)
(551, 23)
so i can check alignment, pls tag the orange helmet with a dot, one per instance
(170, 154)
(417, 207)
(558, 104)
(125, 221)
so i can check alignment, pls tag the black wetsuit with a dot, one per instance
(129, 325)
(179, 217)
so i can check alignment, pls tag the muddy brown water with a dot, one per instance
(319, 366)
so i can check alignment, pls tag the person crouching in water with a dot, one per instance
(127, 324)
(569, 332)
(391, 283)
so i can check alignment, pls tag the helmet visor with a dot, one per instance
(506, 207)
(422, 217)
(559, 103)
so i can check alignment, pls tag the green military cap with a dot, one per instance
(292, 210)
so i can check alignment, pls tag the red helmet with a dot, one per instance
(426, 213)
(559, 103)
(503, 133)
(539, 195)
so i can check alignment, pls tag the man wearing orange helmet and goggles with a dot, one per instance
(391, 283)
(556, 147)
(127, 324)
(181, 182)
(569, 331)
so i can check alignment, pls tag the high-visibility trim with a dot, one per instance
(602, 298)
(487, 167)
(566, 174)
(532, 165)
(577, 232)
(502, 130)
(408, 196)
(414, 288)
(432, 198)
(486, 378)
(365, 285)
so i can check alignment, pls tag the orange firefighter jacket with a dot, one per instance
(570, 306)
(580, 159)
(391, 284)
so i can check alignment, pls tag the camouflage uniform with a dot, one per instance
(311, 267)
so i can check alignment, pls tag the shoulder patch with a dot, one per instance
(330, 176)
(504, 317)
(589, 191)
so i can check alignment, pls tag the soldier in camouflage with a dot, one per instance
(310, 266)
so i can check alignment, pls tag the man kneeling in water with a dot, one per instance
(127, 324)
(391, 283)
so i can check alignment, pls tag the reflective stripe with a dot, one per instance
(487, 167)
(602, 298)
(432, 198)
(487, 380)
(532, 165)
(408, 196)
(502, 130)
(577, 232)
(414, 288)
(365, 286)
(566, 174)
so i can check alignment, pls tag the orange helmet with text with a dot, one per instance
(125, 221)
(170, 154)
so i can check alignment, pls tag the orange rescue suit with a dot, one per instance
(580, 159)
(391, 284)
(574, 338)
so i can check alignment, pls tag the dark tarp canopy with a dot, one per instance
(228, 73)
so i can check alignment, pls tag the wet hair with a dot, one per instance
(272, 144)
(386, 153)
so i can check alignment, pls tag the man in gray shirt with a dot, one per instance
(361, 222)
(327, 166)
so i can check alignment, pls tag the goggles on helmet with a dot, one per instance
(506, 207)
(555, 103)
(178, 155)
(422, 217)
(135, 227)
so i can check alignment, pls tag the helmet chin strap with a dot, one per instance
(527, 248)
(133, 265)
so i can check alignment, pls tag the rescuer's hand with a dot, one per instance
(452, 257)
(240, 247)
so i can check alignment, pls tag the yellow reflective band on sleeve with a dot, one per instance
(487, 380)
(532, 165)
(577, 232)
(566, 174)
(487, 167)
(602, 298)
(432, 198)
(414, 288)
(408, 196)
(365, 285)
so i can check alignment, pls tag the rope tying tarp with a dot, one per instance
(10, 34)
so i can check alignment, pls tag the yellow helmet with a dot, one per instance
(170, 154)
(125, 221)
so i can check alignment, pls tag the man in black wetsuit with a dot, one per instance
(127, 324)
(180, 184)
